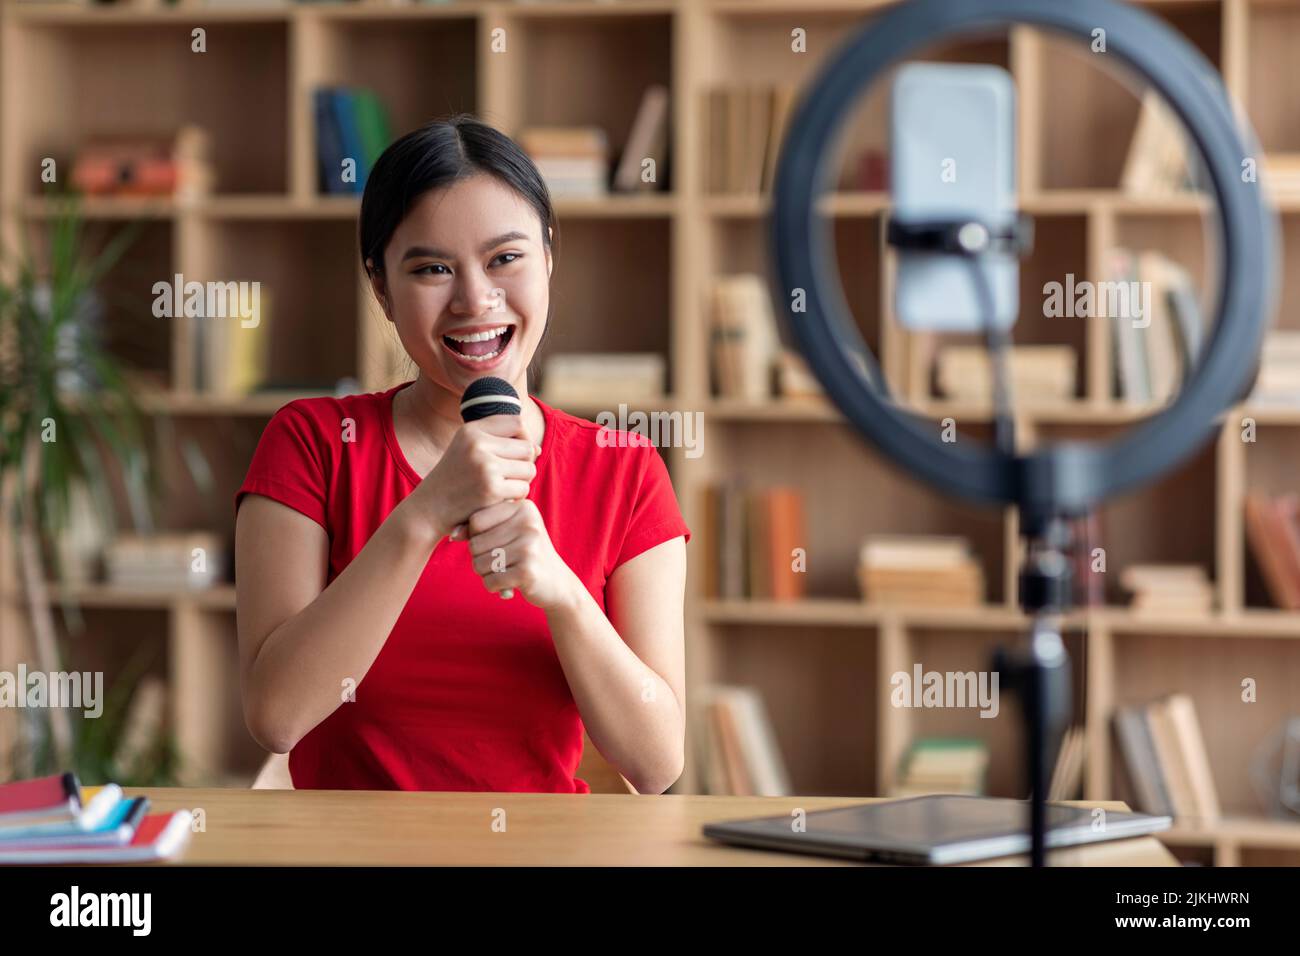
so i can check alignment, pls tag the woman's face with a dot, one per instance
(467, 283)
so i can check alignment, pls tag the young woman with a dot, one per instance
(378, 536)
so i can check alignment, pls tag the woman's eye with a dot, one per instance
(508, 257)
(435, 265)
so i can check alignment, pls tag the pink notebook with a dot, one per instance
(53, 799)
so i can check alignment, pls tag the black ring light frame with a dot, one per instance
(1065, 478)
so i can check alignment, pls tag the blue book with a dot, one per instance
(329, 143)
(345, 112)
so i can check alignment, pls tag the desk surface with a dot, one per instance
(365, 827)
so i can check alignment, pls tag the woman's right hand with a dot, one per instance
(488, 461)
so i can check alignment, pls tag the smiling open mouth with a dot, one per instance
(481, 346)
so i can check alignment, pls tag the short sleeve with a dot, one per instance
(655, 516)
(289, 466)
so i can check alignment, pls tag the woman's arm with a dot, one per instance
(626, 671)
(300, 640)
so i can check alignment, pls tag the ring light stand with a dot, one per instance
(1058, 482)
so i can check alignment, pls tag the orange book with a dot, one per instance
(1267, 542)
(787, 532)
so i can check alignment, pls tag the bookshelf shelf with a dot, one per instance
(221, 597)
(821, 663)
(1116, 619)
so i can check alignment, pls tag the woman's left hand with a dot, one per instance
(511, 550)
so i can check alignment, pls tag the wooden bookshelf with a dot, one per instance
(822, 664)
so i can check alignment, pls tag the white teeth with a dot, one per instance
(480, 336)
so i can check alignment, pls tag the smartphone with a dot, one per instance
(952, 132)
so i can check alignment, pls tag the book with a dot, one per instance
(1132, 381)
(746, 124)
(1038, 373)
(1157, 160)
(745, 339)
(117, 828)
(1137, 749)
(604, 378)
(648, 139)
(351, 123)
(1166, 759)
(1154, 353)
(573, 160)
(925, 570)
(51, 799)
(751, 534)
(1273, 541)
(159, 836)
(1181, 714)
(1164, 367)
(741, 754)
(1168, 588)
(942, 765)
(165, 560)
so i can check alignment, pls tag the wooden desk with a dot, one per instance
(365, 827)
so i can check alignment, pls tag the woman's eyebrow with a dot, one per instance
(415, 252)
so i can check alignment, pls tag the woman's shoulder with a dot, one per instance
(599, 442)
(331, 417)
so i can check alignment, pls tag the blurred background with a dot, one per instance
(145, 146)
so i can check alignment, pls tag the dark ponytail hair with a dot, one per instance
(438, 154)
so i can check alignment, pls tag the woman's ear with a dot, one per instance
(377, 284)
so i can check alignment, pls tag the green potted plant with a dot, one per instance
(68, 420)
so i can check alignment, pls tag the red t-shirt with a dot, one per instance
(467, 692)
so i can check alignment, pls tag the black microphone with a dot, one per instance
(489, 396)
(486, 396)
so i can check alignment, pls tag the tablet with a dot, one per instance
(935, 829)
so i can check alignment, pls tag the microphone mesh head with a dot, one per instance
(489, 396)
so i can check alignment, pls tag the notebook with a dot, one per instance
(54, 799)
(117, 829)
(159, 836)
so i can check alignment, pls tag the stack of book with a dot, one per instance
(55, 820)
(746, 126)
(603, 378)
(165, 561)
(179, 165)
(1273, 534)
(573, 160)
(740, 754)
(351, 124)
(1167, 763)
(755, 539)
(925, 570)
(1278, 382)
(745, 340)
(1038, 373)
(1160, 589)
(943, 765)
(1158, 325)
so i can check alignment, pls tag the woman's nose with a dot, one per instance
(476, 295)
